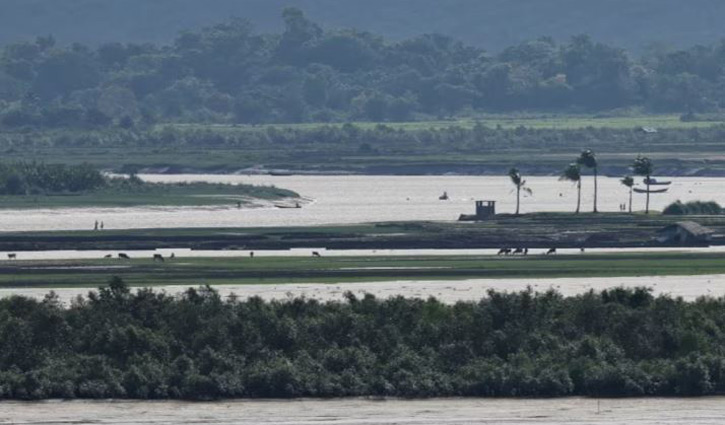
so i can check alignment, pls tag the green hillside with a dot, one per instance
(491, 24)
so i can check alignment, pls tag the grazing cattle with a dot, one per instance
(123, 256)
(158, 257)
(316, 254)
(504, 251)
(551, 251)
(12, 256)
(518, 251)
(107, 256)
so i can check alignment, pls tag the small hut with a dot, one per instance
(484, 210)
(685, 233)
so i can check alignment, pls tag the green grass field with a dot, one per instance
(539, 122)
(196, 194)
(243, 270)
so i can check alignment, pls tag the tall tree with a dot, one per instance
(589, 160)
(520, 184)
(642, 166)
(573, 173)
(629, 182)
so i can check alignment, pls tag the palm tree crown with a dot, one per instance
(520, 184)
(573, 173)
(642, 166)
(588, 159)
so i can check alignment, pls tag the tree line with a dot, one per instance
(148, 344)
(35, 178)
(229, 73)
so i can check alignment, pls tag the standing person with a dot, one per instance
(101, 225)
(95, 226)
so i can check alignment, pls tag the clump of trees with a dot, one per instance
(150, 345)
(229, 73)
(23, 178)
(693, 208)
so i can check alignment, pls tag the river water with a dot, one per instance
(356, 199)
(691, 411)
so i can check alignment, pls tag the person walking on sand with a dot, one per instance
(95, 226)
(101, 225)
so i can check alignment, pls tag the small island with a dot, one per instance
(40, 185)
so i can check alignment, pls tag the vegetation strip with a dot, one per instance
(150, 345)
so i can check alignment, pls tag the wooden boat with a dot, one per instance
(655, 182)
(280, 173)
(638, 190)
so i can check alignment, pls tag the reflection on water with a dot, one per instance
(355, 199)
(691, 411)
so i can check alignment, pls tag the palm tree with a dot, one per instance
(589, 160)
(642, 166)
(573, 173)
(629, 182)
(520, 184)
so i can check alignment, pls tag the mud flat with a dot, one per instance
(687, 287)
(692, 411)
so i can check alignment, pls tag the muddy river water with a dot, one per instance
(700, 411)
(355, 199)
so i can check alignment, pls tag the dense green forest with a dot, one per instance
(490, 24)
(115, 343)
(229, 73)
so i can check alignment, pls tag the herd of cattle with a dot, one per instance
(160, 258)
(524, 251)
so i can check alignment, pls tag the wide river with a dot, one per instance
(353, 199)
(356, 199)
(691, 411)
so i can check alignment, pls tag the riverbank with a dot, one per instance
(536, 230)
(537, 147)
(389, 411)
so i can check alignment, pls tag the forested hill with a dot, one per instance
(490, 24)
(231, 73)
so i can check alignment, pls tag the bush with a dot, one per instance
(693, 208)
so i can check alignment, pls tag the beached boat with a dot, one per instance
(638, 190)
(655, 182)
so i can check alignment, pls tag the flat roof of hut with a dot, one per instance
(685, 232)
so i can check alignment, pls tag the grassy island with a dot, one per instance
(38, 185)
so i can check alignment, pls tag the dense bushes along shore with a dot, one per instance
(148, 344)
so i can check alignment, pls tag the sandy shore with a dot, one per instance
(691, 411)
(687, 287)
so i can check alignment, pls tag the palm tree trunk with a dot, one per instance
(646, 209)
(578, 195)
(518, 198)
(595, 189)
(630, 200)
